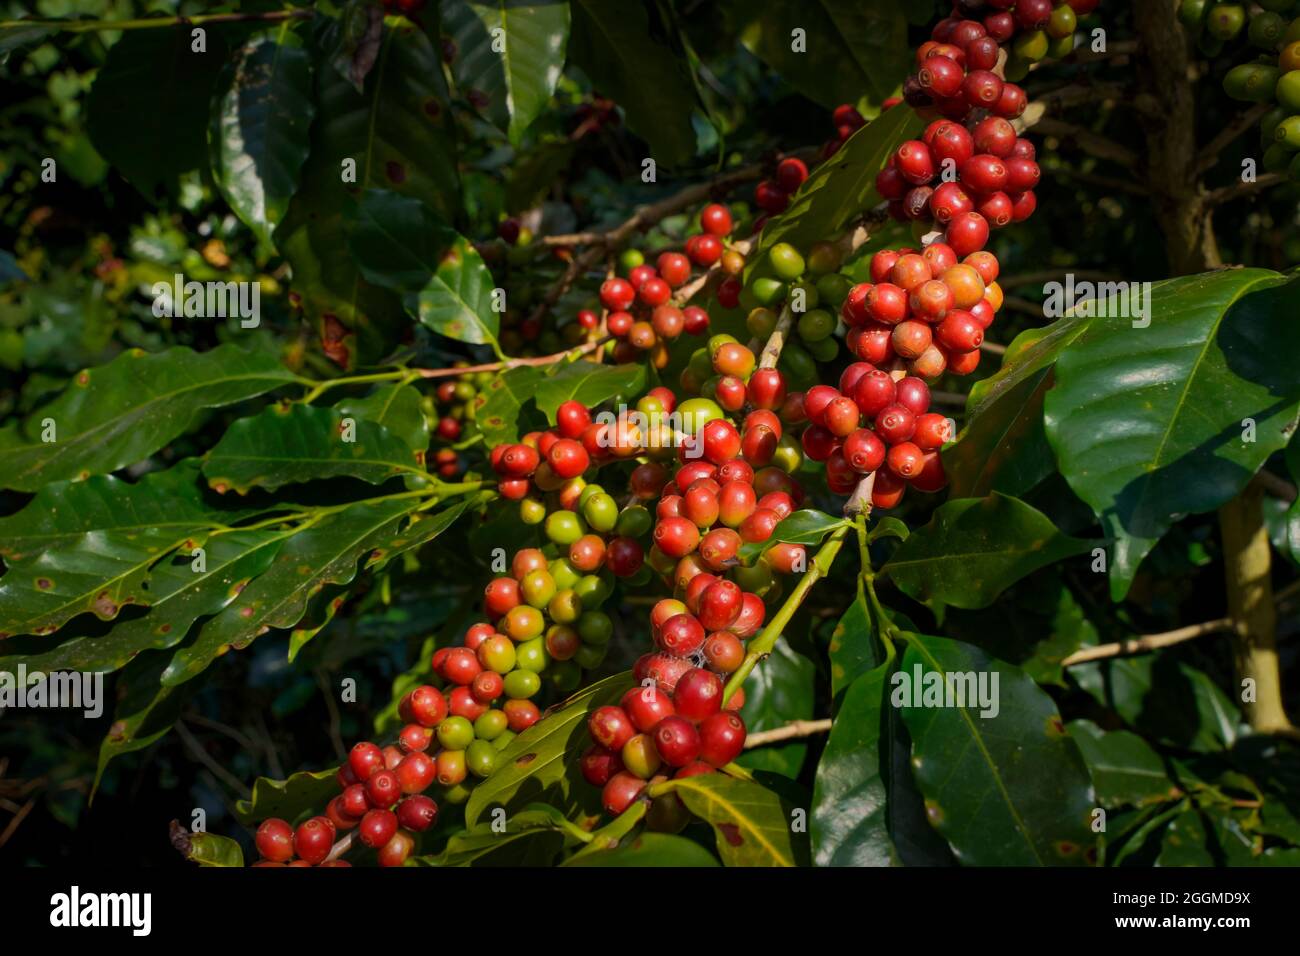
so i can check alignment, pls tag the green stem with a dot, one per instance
(762, 645)
(403, 375)
(149, 23)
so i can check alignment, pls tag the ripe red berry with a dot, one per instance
(905, 459)
(461, 665)
(364, 760)
(949, 201)
(950, 143)
(598, 764)
(676, 537)
(967, 233)
(275, 840)
(314, 839)
(915, 162)
(940, 76)
(932, 432)
(620, 791)
(416, 771)
(770, 197)
(911, 338)
(377, 828)
(568, 458)
(681, 635)
(1022, 175)
(982, 88)
(610, 727)
(698, 694)
(383, 788)
(720, 605)
(864, 451)
(722, 738)
(417, 813)
(913, 394)
(677, 740)
(617, 294)
(428, 705)
(960, 331)
(715, 219)
(646, 706)
(895, 424)
(790, 173)
(887, 303)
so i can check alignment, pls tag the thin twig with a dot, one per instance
(510, 363)
(1094, 144)
(1244, 123)
(1224, 194)
(228, 778)
(791, 731)
(1150, 642)
(1276, 486)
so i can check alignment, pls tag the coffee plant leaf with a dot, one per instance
(1153, 423)
(397, 408)
(141, 111)
(123, 412)
(612, 43)
(545, 755)
(178, 595)
(808, 527)
(867, 41)
(399, 243)
(647, 849)
(974, 548)
(519, 844)
(209, 849)
(395, 135)
(1003, 443)
(63, 511)
(852, 651)
(837, 191)
(506, 407)
(297, 797)
(325, 552)
(1184, 842)
(751, 822)
(1124, 768)
(289, 444)
(849, 820)
(1009, 787)
(508, 57)
(424, 527)
(259, 136)
(777, 693)
(587, 382)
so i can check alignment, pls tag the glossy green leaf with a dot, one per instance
(124, 411)
(590, 383)
(286, 444)
(613, 44)
(178, 596)
(974, 548)
(850, 810)
(299, 796)
(865, 39)
(509, 54)
(778, 691)
(1003, 442)
(397, 408)
(207, 849)
(838, 191)
(648, 849)
(1124, 768)
(147, 111)
(63, 511)
(521, 844)
(753, 824)
(852, 650)
(260, 132)
(322, 554)
(401, 244)
(1184, 842)
(807, 526)
(396, 135)
(545, 755)
(424, 527)
(1149, 424)
(1005, 789)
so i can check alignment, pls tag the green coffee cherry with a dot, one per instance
(564, 527)
(592, 591)
(1226, 20)
(601, 512)
(629, 259)
(768, 291)
(565, 574)
(520, 685)
(1191, 13)
(1276, 158)
(1063, 22)
(833, 289)
(1266, 30)
(634, 521)
(1252, 82)
(823, 258)
(595, 627)
(1287, 133)
(815, 325)
(760, 322)
(1031, 45)
(565, 607)
(490, 724)
(480, 758)
(538, 588)
(531, 511)
(565, 676)
(531, 656)
(590, 656)
(786, 261)
(455, 733)
(1288, 90)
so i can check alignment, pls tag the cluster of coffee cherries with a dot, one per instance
(1215, 23)
(382, 793)
(1273, 78)
(449, 412)
(1032, 30)
(772, 195)
(641, 313)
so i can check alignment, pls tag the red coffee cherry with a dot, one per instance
(377, 828)
(417, 813)
(982, 88)
(676, 537)
(521, 714)
(461, 665)
(864, 451)
(646, 706)
(428, 706)
(913, 394)
(568, 458)
(383, 788)
(722, 738)
(499, 597)
(274, 840)
(416, 771)
(724, 652)
(624, 556)
(759, 525)
(314, 839)
(677, 740)
(905, 459)
(916, 162)
(932, 477)
(663, 669)
(610, 727)
(715, 219)
(681, 635)
(617, 294)
(598, 764)
(698, 694)
(620, 791)
(941, 76)
(895, 424)
(967, 233)
(790, 173)
(572, 418)
(364, 760)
